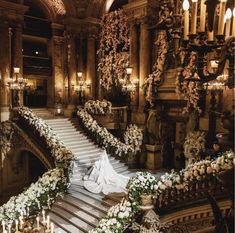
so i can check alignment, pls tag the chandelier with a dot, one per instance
(17, 83)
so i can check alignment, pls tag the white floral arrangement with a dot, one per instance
(116, 218)
(121, 215)
(141, 183)
(59, 151)
(194, 144)
(101, 136)
(98, 107)
(134, 136)
(153, 80)
(39, 195)
(186, 89)
(113, 51)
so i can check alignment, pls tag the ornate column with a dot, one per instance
(90, 72)
(56, 93)
(5, 67)
(144, 61)
(134, 58)
(17, 60)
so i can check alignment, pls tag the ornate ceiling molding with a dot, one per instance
(58, 6)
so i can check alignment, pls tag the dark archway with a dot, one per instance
(20, 169)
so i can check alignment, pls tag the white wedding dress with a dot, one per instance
(103, 178)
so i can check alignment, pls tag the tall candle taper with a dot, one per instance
(228, 22)
(3, 226)
(52, 227)
(48, 222)
(186, 19)
(43, 217)
(17, 225)
(9, 228)
(221, 17)
(233, 25)
(37, 222)
(194, 17)
(202, 16)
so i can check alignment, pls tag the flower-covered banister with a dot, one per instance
(52, 184)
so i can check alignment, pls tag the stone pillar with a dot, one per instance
(134, 59)
(17, 59)
(145, 52)
(5, 68)
(90, 73)
(57, 91)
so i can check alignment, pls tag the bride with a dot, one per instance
(103, 178)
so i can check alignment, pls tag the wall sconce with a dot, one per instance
(129, 70)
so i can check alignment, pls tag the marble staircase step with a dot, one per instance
(63, 222)
(79, 204)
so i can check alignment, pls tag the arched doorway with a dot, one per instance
(37, 62)
(19, 171)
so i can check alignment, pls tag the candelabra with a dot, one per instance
(16, 85)
(204, 42)
(127, 85)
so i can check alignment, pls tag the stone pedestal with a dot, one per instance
(154, 158)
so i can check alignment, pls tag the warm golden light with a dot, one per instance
(228, 13)
(129, 70)
(79, 74)
(234, 12)
(16, 70)
(185, 5)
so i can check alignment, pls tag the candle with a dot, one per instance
(43, 217)
(194, 17)
(9, 228)
(221, 17)
(211, 36)
(186, 18)
(37, 222)
(228, 22)
(3, 226)
(48, 222)
(52, 227)
(21, 222)
(17, 224)
(233, 25)
(202, 16)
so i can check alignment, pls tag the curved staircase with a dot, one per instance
(80, 210)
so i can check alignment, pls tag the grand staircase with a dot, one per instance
(79, 210)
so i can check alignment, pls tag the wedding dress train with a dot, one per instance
(103, 178)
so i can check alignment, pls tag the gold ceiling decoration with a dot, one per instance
(58, 5)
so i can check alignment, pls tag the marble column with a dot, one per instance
(56, 92)
(144, 61)
(90, 73)
(72, 69)
(18, 58)
(134, 60)
(5, 67)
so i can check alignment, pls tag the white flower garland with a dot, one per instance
(51, 185)
(134, 136)
(102, 136)
(151, 83)
(58, 149)
(189, 90)
(121, 214)
(114, 43)
(98, 107)
(39, 195)
(194, 144)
